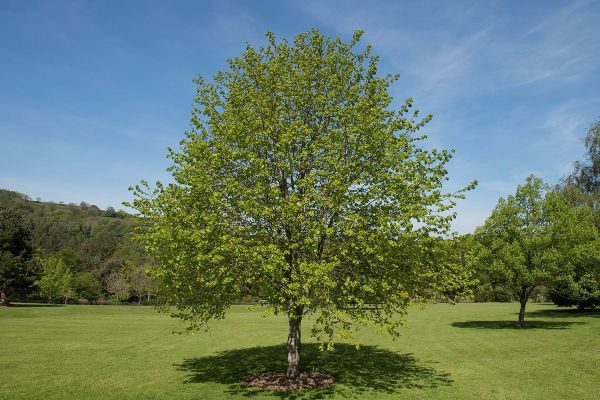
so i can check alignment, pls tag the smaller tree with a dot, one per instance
(86, 286)
(141, 283)
(56, 279)
(118, 285)
(586, 173)
(515, 242)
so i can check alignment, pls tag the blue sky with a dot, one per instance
(92, 93)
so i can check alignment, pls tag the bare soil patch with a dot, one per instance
(279, 382)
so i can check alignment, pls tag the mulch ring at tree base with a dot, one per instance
(278, 381)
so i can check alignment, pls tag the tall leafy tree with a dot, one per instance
(576, 257)
(300, 184)
(586, 173)
(581, 188)
(17, 272)
(515, 242)
(56, 279)
(118, 285)
(582, 185)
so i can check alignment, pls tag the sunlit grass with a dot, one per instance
(467, 351)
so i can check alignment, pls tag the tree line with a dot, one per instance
(69, 253)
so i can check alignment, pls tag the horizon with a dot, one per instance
(93, 94)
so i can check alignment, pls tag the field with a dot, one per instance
(466, 351)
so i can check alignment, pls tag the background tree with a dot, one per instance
(86, 286)
(87, 240)
(17, 272)
(118, 285)
(582, 185)
(576, 256)
(454, 259)
(300, 185)
(515, 242)
(586, 173)
(141, 284)
(55, 280)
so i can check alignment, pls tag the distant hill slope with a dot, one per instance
(87, 238)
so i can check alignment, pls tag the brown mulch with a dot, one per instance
(279, 382)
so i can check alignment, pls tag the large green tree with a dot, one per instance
(300, 184)
(535, 237)
(581, 188)
(17, 272)
(515, 243)
(576, 258)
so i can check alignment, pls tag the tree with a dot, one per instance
(141, 284)
(56, 279)
(582, 186)
(16, 270)
(86, 286)
(118, 285)
(298, 183)
(586, 173)
(576, 255)
(514, 242)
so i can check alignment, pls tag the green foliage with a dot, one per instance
(576, 254)
(536, 237)
(17, 272)
(87, 239)
(300, 185)
(516, 244)
(515, 240)
(55, 280)
(118, 284)
(452, 272)
(586, 173)
(86, 286)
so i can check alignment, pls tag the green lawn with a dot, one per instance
(467, 351)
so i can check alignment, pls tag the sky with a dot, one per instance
(93, 92)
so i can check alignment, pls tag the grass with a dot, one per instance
(467, 351)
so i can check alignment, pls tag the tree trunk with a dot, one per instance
(4, 301)
(293, 347)
(522, 313)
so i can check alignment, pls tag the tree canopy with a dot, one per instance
(16, 269)
(299, 183)
(515, 242)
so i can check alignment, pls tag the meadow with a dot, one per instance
(465, 351)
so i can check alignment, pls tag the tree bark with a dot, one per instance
(293, 346)
(522, 313)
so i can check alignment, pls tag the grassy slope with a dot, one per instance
(467, 351)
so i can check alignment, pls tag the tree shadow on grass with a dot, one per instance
(564, 313)
(369, 369)
(513, 324)
(35, 305)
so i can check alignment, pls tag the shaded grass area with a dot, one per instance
(367, 369)
(513, 324)
(467, 351)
